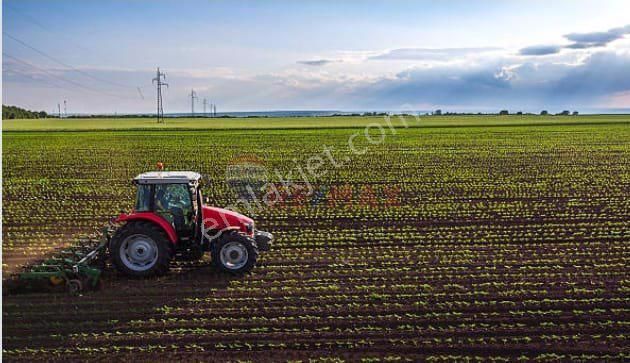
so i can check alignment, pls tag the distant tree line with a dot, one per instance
(439, 112)
(13, 112)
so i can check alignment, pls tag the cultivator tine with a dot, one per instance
(75, 268)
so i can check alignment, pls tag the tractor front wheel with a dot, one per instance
(234, 253)
(141, 249)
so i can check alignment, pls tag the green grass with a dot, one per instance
(296, 122)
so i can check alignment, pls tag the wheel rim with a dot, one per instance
(139, 252)
(233, 255)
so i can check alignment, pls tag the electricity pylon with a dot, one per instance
(159, 84)
(193, 96)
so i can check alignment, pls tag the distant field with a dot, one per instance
(294, 122)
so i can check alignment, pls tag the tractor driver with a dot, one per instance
(173, 205)
(161, 200)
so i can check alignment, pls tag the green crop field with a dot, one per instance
(294, 122)
(455, 238)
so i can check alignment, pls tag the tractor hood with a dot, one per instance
(219, 219)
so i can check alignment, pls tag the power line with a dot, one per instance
(159, 84)
(63, 63)
(140, 92)
(32, 20)
(67, 40)
(62, 78)
(43, 80)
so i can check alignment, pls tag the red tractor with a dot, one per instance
(170, 221)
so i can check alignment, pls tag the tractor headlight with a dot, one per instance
(249, 227)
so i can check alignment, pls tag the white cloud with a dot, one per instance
(440, 54)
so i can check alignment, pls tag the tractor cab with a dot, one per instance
(173, 195)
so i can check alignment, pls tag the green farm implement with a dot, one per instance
(73, 269)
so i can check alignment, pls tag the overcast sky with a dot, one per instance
(309, 55)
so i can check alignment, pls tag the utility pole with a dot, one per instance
(59, 110)
(193, 96)
(214, 106)
(65, 109)
(158, 80)
(205, 102)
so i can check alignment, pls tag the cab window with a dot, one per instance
(173, 202)
(172, 196)
(143, 198)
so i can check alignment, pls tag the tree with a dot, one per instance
(544, 113)
(575, 113)
(504, 113)
(520, 113)
(13, 112)
(438, 112)
(564, 113)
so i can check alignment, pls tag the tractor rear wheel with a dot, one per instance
(235, 253)
(141, 249)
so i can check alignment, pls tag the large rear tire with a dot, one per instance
(141, 249)
(235, 253)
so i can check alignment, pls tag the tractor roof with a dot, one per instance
(168, 177)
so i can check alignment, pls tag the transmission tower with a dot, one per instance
(214, 112)
(65, 109)
(193, 96)
(205, 102)
(158, 80)
(59, 110)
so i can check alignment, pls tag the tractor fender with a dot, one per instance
(153, 218)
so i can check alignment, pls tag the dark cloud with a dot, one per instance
(498, 84)
(596, 39)
(429, 53)
(317, 62)
(603, 73)
(579, 41)
(540, 50)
